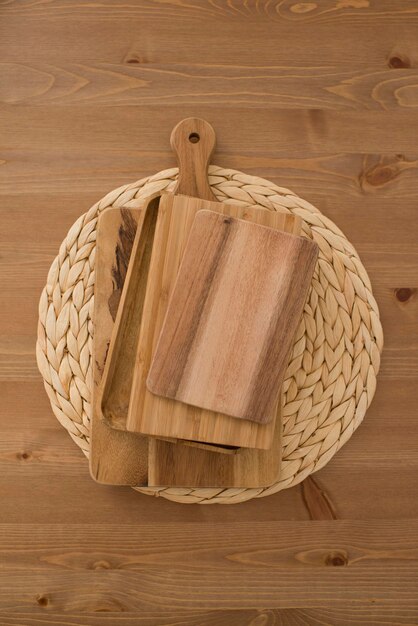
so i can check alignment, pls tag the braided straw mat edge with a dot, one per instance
(331, 377)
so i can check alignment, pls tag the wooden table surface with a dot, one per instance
(321, 97)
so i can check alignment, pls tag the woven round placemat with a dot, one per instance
(331, 377)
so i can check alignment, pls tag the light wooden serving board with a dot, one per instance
(230, 323)
(163, 417)
(123, 458)
(117, 375)
(116, 457)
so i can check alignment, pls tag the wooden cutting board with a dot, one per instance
(116, 457)
(170, 235)
(231, 320)
(122, 458)
(117, 375)
(164, 417)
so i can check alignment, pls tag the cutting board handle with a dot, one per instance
(193, 141)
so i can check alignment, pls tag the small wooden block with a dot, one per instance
(232, 317)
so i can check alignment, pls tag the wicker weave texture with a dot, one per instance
(331, 377)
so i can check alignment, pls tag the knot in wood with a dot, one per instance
(403, 294)
(336, 559)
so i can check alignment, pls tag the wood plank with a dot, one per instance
(390, 587)
(337, 616)
(211, 546)
(232, 316)
(272, 134)
(329, 176)
(147, 32)
(72, 567)
(340, 185)
(265, 87)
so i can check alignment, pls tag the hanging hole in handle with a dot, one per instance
(194, 137)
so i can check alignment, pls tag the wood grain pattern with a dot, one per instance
(274, 87)
(74, 125)
(296, 564)
(157, 416)
(304, 616)
(281, 134)
(278, 545)
(232, 316)
(116, 457)
(141, 33)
